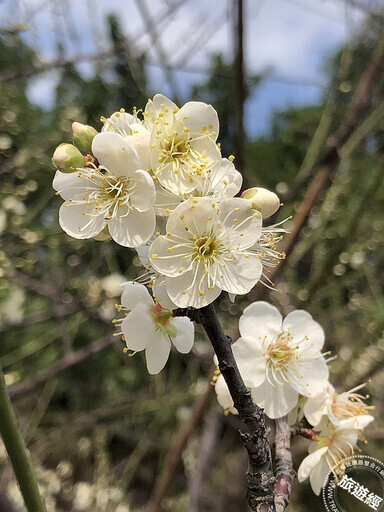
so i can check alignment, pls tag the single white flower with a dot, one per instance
(333, 444)
(132, 128)
(205, 250)
(338, 407)
(221, 182)
(150, 327)
(280, 359)
(117, 194)
(183, 146)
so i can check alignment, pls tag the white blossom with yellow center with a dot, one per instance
(116, 193)
(280, 359)
(333, 445)
(205, 250)
(182, 143)
(150, 327)
(220, 182)
(338, 407)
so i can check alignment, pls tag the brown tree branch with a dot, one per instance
(260, 476)
(284, 469)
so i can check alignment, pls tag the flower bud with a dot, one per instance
(67, 158)
(263, 200)
(83, 136)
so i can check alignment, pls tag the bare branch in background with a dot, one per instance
(68, 361)
(173, 458)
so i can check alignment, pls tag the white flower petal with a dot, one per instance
(310, 377)
(159, 291)
(140, 140)
(167, 259)
(144, 194)
(318, 475)
(135, 293)
(310, 461)
(260, 319)
(241, 223)
(138, 328)
(223, 396)
(157, 352)
(115, 153)
(276, 401)
(208, 148)
(153, 108)
(71, 184)
(185, 334)
(191, 283)
(201, 118)
(250, 360)
(165, 201)
(301, 325)
(134, 229)
(240, 274)
(119, 122)
(76, 221)
(356, 422)
(316, 407)
(192, 213)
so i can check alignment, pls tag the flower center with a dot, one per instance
(279, 354)
(347, 407)
(108, 194)
(174, 148)
(206, 247)
(163, 320)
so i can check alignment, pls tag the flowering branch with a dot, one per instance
(18, 453)
(260, 474)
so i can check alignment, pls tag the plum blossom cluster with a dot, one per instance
(156, 181)
(283, 366)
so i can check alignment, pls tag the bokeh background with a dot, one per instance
(103, 434)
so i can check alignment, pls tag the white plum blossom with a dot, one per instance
(220, 182)
(280, 359)
(338, 407)
(332, 445)
(150, 327)
(205, 250)
(182, 142)
(116, 194)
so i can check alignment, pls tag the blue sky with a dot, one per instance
(292, 39)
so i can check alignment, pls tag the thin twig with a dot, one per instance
(205, 452)
(328, 162)
(284, 469)
(68, 361)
